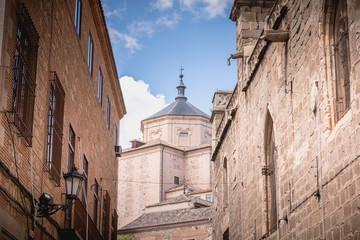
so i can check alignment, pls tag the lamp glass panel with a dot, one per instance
(68, 185)
(76, 185)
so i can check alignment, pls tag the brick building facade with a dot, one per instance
(286, 160)
(60, 102)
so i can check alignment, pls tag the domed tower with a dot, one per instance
(180, 123)
(173, 158)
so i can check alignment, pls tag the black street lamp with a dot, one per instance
(46, 205)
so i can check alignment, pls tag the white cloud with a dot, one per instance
(206, 8)
(131, 43)
(168, 21)
(140, 104)
(163, 4)
(117, 12)
(142, 27)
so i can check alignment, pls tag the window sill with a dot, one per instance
(343, 122)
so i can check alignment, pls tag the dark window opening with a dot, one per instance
(176, 180)
(270, 177)
(55, 127)
(108, 113)
(225, 184)
(100, 86)
(116, 135)
(71, 149)
(78, 8)
(90, 53)
(226, 235)
(25, 63)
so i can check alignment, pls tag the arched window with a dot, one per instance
(342, 59)
(270, 176)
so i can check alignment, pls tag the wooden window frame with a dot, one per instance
(24, 82)
(96, 202)
(55, 128)
(85, 182)
(78, 15)
(106, 216)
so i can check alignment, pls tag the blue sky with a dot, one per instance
(152, 38)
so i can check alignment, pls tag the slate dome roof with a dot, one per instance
(181, 107)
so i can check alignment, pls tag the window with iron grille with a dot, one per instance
(100, 86)
(90, 53)
(85, 182)
(96, 202)
(71, 149)
(25, 62)
(55, 127)
(269, 172)
(106, 216)
(342, 60)
(78, 8)
(108, 113)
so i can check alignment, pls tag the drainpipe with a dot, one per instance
(321, 199)
(322, 36)
(162, 174)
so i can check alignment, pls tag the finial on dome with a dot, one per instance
(181, 75)
(181, 87)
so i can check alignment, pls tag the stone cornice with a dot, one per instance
(104, 39)
(234, 13)
(273, 21)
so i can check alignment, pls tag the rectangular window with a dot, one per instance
(108, 113)
(71, 149)
(176, 180)
(85, 182)
(96, 202)
(90, 53)
(100, 86)
(55, 127)
(25, 64)
(116, 135)
(78, 7)
(183, 134)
